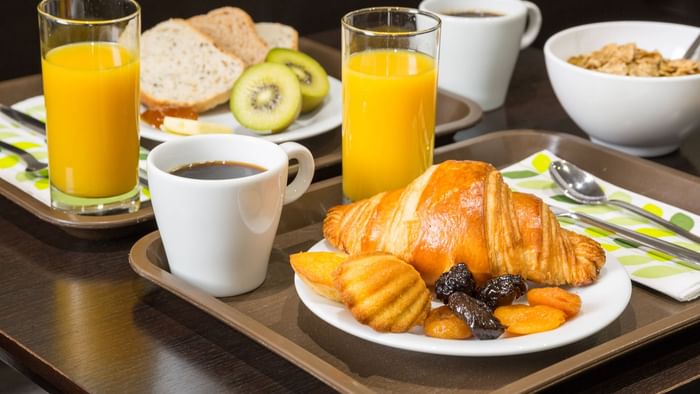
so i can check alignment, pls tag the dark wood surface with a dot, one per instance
(18, 18)
(73, 316)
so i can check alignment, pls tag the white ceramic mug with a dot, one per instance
(218, 234)
(477, 55)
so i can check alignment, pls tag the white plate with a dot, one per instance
(601, 302)
(327, 117)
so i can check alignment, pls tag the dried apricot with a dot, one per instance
(526, 319)
(509, 314)
(556, 297)
(443, 323)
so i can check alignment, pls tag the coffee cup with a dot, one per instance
(217, 201)
(480, 43)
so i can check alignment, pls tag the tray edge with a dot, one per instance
(57, 218)
(473, 117)
(598, 355)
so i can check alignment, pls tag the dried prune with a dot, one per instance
(502, 290)
(458, 278)
(476, 314)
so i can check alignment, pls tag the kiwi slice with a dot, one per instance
(312, 77)
(266, 97)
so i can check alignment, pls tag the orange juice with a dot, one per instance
(92, 104)
(388, 120)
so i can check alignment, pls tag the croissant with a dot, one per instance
(463, 211)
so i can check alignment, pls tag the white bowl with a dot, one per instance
(642, 116)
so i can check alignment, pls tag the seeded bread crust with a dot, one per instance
(181, 67)
(277, 35)
(232, 30)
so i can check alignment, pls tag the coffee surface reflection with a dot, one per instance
(217, 170)
(474, 14)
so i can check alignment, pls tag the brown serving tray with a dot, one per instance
(453, 114)
(274, 316)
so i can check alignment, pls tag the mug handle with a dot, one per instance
(534, 17)
(305, 174)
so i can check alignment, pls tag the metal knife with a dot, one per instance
(687, 257)
(20, 117)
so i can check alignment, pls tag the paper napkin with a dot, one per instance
(645, 266)
(12, 168)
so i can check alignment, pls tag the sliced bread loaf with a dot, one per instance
(181, 67)
(233, 30)
(277, 35)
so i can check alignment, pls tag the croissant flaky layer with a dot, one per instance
(463, 211)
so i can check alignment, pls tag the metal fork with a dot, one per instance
(36, 167)
(33, 165)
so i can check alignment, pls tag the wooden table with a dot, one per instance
(74, 317)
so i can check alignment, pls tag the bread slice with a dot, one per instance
(233, 30)
(277, 35)
(181, 67)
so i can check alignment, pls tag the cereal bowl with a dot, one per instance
(639, 115)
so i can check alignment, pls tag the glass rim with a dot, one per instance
(68, 21)
(368, 32)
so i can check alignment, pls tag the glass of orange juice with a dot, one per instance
(90, 71)
(389, 68)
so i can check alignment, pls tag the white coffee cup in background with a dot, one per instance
(478, 54)
(218, 234)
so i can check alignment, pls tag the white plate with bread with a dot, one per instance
(602, 303)
(325, 118)
(193, 63)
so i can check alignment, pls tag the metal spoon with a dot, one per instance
(580, 186)
(33, 165)
(692, 48)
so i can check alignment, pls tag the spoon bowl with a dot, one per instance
(582, 187)
(577, 184)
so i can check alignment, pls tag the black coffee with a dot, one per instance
(217, 170)
(474, 14)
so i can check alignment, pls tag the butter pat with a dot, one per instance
(192, 127)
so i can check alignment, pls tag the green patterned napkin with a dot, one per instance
(12, 168)
(650, 268)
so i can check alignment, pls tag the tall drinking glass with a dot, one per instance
(390, 62)
(90, 70)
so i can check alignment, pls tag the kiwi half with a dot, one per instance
(266, 97)
(313, 79)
